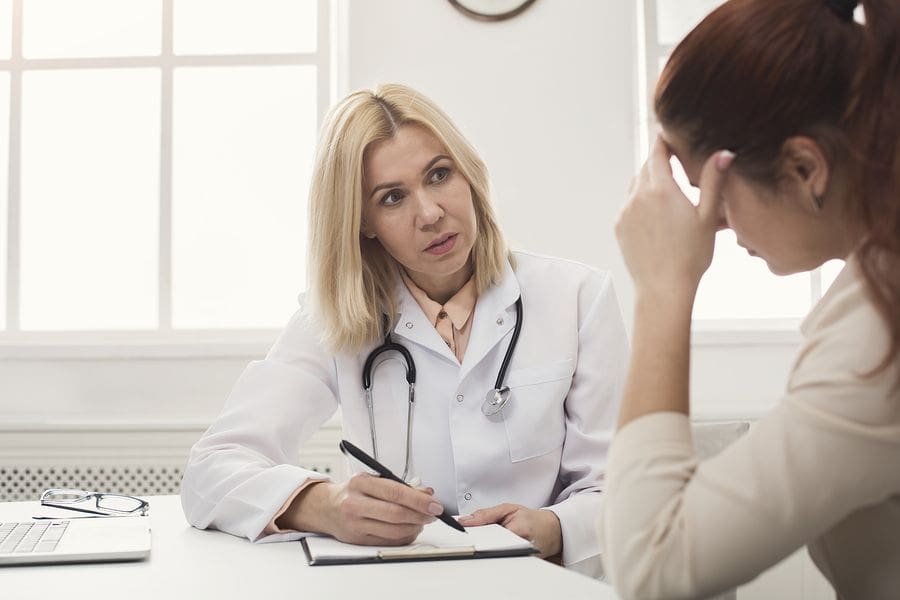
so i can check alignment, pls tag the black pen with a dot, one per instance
(348, 448)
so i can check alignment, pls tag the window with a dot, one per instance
(157, 165)
(737, 291)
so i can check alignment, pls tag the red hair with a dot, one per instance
(756, 72)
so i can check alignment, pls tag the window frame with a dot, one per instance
(164, 341)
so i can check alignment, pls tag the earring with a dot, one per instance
(818, 202)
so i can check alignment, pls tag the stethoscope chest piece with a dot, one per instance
(495, 400)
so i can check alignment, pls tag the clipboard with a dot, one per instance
(436, 542)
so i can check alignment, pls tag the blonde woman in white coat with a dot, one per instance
(402, 232)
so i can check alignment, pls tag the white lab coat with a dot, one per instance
(546, 449)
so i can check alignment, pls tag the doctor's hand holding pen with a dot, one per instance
(365, 510)
(538, 526)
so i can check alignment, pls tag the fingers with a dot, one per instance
(374, 511)
(405, 498)
(416, 483)
(386, 512)
(485, 516)
(712, 178)
(389, 534)
(375, 533)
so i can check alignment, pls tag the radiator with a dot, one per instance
(26, 482)
(137, 460)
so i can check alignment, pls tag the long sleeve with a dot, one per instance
(244, 468)
(591, 409)
(676, 527)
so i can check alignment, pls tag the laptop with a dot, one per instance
(48, 541)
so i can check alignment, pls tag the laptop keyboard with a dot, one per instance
(30, 536)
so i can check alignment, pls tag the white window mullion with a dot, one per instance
(651, 62)
(13, 212)
(654, 52)
(651, 44)
(323, 57)
(165, 172)
(338, 49)
(815, 286)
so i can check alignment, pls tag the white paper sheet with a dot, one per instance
(435, 535)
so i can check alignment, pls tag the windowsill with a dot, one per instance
(24, 424)
(745, 332)
(255, 343)
(136, 345)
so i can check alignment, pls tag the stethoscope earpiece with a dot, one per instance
(495, 401)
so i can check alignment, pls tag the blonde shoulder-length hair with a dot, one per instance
(352, 278)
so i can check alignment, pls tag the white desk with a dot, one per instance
(188, 563)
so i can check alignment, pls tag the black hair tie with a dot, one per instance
(843, 8)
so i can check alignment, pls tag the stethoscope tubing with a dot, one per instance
(507, 358)
(496, 398)
(388, 346)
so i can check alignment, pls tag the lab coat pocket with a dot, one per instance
(535, 416)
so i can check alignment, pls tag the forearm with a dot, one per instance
(658, 374)
(310, 511)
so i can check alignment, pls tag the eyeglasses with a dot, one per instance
(95, 502)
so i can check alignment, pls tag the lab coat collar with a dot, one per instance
(413, 325)
(494, 317)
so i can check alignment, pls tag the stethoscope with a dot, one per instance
(493, 403)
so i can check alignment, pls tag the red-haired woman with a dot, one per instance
(786, 115)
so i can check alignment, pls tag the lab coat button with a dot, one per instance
(500, 321)
(468, 496)
(409, 324)
(460, 397)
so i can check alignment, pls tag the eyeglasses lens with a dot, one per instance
(118, 503)
(63, 496)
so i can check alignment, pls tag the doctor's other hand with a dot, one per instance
(538, 526)
(365, 510)
(666, 241)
